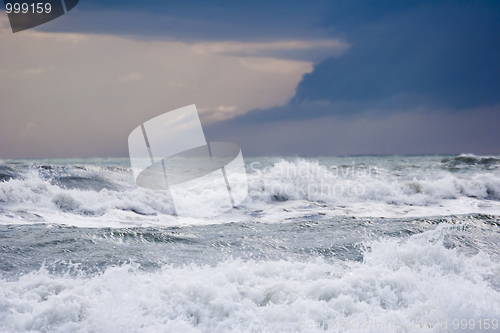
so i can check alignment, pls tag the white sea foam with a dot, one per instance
(415, 281)
(284, 189)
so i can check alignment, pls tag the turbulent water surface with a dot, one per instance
(320, 244)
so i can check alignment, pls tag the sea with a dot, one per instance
(324, 244)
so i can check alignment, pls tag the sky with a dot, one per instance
(288, 78)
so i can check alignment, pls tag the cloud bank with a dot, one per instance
(281, 77)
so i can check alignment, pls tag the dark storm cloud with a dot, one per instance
(447, 55)
(416, 80)
(434, 56)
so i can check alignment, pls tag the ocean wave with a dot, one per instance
(90, 190)
(7, 173)
(35, 194)
(417, 280)
(465, 160)
(304, 180)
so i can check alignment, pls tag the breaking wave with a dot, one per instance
(413, 281)
(93, 190)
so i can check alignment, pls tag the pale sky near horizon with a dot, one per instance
(277, 78)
